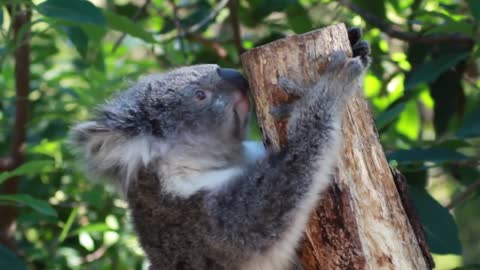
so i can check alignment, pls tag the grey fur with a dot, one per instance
(239, 224)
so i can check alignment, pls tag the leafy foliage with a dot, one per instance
(423, 88)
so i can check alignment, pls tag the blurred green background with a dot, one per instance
(70, 55)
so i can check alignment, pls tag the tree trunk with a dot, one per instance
(361, 222)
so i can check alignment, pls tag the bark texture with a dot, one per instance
(360, 222)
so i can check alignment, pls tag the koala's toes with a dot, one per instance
(362, 50)
(336, 61)
(353, 69)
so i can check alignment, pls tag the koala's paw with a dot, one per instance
(360, 48)
(342, 69)
(340, 77)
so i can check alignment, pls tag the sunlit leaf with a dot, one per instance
(417, 155)
(125, 25)
(86, 241)
(77, 11)
(8, 260)
(27, 200)
(408, 123)
(438, 223)
(28, 168)
(468, 267)
(431, 69)
(95, 227)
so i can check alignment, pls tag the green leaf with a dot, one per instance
(438, 223)
(77, 11)
(125, 25)
(462, 27)
(470, 126)
(68, 225)
(468, 267)
(8, 260)
(432, 69)
(375, 7)
(27, 200)
(28, 168)
(475, 8)
(1, 17)
(79, 39)
(96, 227)
(298, 18)
(434, 154)
(86, 241)
(389, 115)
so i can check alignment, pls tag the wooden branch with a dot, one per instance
(396, 32)
(6, 164)
(216, 46)
(460, 197)
(21, 19)
(401, 184)
(360, 222)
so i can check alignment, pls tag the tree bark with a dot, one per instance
(360, 222)
(20, 19)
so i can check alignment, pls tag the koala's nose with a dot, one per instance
(233, 77)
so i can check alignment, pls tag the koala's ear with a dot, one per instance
(84, 132)
(97, 146)
(109, 153)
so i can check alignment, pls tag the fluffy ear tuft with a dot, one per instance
(109, 153)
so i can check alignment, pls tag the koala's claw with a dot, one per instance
(360, 48)
(354, 35)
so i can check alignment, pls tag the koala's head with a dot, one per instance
(202, 104)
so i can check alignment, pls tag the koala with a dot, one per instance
(200, 197)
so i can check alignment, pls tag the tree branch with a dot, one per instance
(137, 14)
(460, 197)
(237, 37)
(396, 32)
(6, 163)
(212, 44)
(210, 17)
(21, 18)
(180, 30)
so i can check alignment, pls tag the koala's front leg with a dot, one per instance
(321, 105)
(266, 209)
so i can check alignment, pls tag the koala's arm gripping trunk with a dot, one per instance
(360, 222)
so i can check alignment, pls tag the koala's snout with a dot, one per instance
(234, 78)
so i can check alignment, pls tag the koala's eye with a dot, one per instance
(200, 95)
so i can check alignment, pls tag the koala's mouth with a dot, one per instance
(241, 109)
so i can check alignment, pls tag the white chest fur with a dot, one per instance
(183, 178)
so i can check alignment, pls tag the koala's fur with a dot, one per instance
(199, 199)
